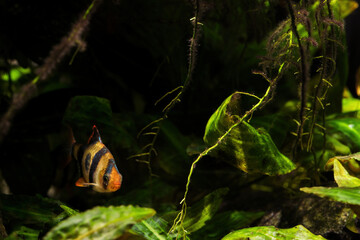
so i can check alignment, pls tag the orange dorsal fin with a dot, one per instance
(95, 136)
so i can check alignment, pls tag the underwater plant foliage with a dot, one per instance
(226, 119)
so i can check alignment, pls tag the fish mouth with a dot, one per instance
(115, 186)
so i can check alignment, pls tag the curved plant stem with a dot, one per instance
(266, 98)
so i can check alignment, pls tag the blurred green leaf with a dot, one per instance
(201, 211)
(205, 209)
(345, 195)
(99, 223)
(344, 7)
(228, 221)
(345, 130)
(34, 210)
(153, 228)
(16, 73)
(270, 232)
(342, 138)
(24, 233)
(350, 105)
(246, 148)
(68, 210)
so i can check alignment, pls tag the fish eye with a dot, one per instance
(106, 178)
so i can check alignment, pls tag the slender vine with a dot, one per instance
(328, 66)
(266, 98)
(313, 100)
(153, 128)
(304, 71)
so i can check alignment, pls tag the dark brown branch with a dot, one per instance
(304, 76)
(58, 52)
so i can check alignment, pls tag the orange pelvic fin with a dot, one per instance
(82, 183)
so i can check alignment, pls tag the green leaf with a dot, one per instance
(270, 232)
(228, 221)
(15, 73)
(202, 211)
(154, 228)
(346, 131)
(68, 210)
(344, 8)
(345, 195)
(343, 178)
(350, 105)
(249, 149)
(34, 210)
(99, 223)
(24, 233)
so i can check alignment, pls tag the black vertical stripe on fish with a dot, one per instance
(108, 173)
(95, 162)
(87, 162)
(79, 153)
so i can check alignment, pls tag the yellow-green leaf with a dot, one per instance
(99, 223)
(249, 149)
(345, 195)
(342, 176)
(272, 233)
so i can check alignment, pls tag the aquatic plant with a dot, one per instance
(264, 79)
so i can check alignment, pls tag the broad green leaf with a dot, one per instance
(345, 195)
(246, 148)
(202, 211)
(334, 145)
(344, 7)
(345, 130)
(154, 228)
(298, 232)
(228, 221)
(342, 138)
(99, 223)
(350, 105)
(343, 178)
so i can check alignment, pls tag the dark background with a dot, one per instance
(136, 51)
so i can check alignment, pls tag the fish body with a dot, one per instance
(97, 165)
